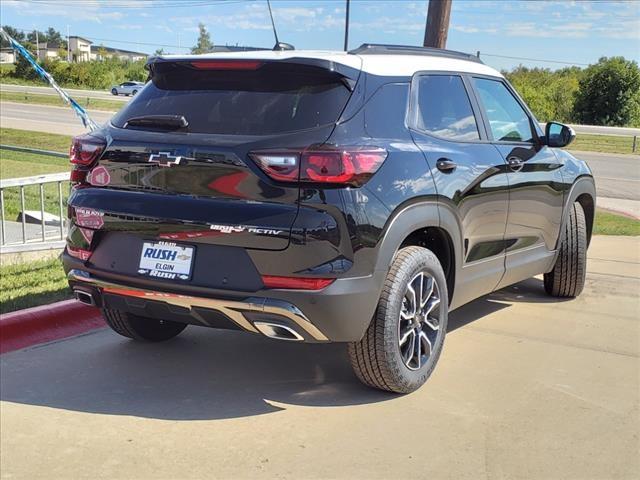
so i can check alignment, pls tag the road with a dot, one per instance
(42, 118)
(527, 387)
(617, 176)
(74, 92)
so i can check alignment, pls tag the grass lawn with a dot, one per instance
(603, 143)
(30, 284)
(55, 100)
(27, 138)
(608, 223)
(18, 164)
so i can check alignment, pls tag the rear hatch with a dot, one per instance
(176, 165)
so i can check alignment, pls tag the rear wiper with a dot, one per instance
(158, 121)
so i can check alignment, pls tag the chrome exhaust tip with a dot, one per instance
(84, 297)
(279, 332)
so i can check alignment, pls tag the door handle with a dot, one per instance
(515, 163)
(445, 165)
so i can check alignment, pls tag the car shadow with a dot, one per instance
(204, 374)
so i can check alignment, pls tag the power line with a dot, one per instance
(534, 59)
(29, 30)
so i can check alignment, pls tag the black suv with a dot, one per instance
(323, 197)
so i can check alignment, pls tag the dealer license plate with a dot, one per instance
(166, 260)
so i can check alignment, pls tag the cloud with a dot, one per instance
(69, 10)
(469, 29)
(128, 26)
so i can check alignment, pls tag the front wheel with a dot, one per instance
(114, 92)
(568, 275)
(141, 328)
(402, 345)
(134, 92)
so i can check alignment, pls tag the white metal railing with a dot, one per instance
(46, 238)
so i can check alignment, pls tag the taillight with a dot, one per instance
(226, 64)
(85, 149)
(340, 166)
(296, 283)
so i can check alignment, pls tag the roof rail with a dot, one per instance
(382, 49)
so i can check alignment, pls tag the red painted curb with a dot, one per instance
(46, 323)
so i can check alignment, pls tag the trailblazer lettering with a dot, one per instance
(242, 228)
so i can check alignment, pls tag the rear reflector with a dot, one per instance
(297, 283)
(80, 253)
(340, 166)
(226, 64)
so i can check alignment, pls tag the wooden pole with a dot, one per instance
(435, 34)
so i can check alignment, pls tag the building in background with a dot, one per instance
(100, 52)
(80, 49)
(7, 55)
(49, 51)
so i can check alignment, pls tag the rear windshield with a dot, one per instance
(275, 98)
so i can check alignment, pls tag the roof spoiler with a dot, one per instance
(350, 74)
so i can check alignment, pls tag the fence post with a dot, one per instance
(61, 212)
(44, 237)
(4, 226)
(635, 143)
(24, 220)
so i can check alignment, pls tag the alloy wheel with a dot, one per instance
(419, 323)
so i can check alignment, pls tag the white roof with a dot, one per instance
(384, 65)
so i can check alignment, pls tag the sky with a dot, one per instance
(559, 32)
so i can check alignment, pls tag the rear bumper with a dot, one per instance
(339, 313)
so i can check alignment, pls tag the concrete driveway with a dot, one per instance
(527, 387)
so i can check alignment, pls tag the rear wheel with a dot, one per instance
(141, 328)
(568, 275)
(114, 92)
(402, 345)
(134, 92)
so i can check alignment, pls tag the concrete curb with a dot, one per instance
(46, 323)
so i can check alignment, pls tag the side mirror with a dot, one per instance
(558, 135)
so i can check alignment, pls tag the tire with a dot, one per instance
(379, 359)
(134, 92)
(114, 92)
(141, 328)
(568, 275)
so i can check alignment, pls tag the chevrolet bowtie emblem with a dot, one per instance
(164, 159)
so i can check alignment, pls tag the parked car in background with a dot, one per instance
(324, 197)
(127, 88)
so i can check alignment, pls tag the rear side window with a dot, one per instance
(275, 98)
(507, 119)
(444, 108)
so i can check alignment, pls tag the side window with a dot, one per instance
(444, 108)
(507, 119)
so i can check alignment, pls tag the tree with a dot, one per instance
(159, 52)
(17, 35)
(23, 68)
(204, 44)
(54, 37)
(609, 93)
(40, 36)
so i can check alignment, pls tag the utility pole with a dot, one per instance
(346, 28)
(68, 46)
(37, 46)
(435, 34)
